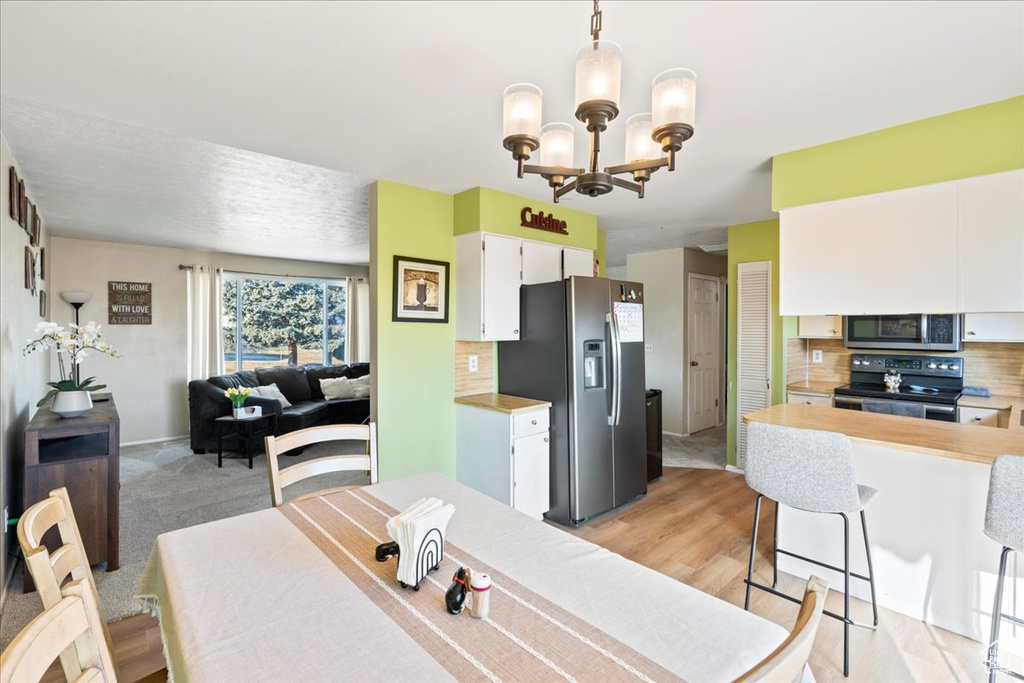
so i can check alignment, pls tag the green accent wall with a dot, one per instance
(412, 362)
(971, 142)
(492, 211)
(601, 253)
(757, 241)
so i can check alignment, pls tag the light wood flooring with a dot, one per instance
(694, 525)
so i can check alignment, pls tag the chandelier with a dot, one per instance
(598, 79)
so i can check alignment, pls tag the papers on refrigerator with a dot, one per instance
(419, 532)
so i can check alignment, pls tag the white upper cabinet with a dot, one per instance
(954, 247)
(992, 243)
(579, 262)
(894, 252)
(542, 262)
(998, 327)
(487, 282)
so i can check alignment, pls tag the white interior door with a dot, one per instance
(502, 275)
(579, 262)
(754, 347)
(703, 351)
(541, 262)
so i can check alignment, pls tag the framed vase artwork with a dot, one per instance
(13, 197)
(42, 303)
(35, 227)
(42, 263)
(30, 270)
(22, 205)
(420, 290)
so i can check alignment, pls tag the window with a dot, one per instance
(282, 321)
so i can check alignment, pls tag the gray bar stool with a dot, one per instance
(812, 471)
(1004, 524)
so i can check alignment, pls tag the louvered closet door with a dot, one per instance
(753, 360)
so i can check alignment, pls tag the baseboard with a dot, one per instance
(733, 468)
(674, 434)
(160, 440)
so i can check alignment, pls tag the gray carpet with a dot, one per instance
(164, 487)
(704, 450)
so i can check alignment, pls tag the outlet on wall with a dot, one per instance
(473, 364)
(817, 356)
(649, 348)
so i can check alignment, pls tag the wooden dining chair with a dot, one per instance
(72, 629)
(69, 562)
(786, 663)
(276, 445)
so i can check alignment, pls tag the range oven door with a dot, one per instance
(903, 332)
(932, 411)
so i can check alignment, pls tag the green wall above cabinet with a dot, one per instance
(500, 212)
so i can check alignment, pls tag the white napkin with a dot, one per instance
(411, 527)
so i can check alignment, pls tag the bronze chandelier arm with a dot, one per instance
(628, 185)
(651, 165)
(552, 170)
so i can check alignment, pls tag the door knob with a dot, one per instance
(694, 363)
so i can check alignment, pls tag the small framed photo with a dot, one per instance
(42, 303)
(42, 263)
(13, 197)
(22, 205)
(30, 270)
(36, 227)
(421, 290)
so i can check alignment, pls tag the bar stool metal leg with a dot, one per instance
(846, 593)
(871, 569)
(753, 549)
(775, 549)
(997, 616)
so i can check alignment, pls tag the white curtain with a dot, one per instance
(358, 320)
(205, 356)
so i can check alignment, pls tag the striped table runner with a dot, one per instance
(526, 637)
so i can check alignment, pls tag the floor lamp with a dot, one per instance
(77, 300)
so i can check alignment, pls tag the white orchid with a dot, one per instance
(77, 345)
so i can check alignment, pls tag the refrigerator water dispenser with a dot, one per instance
(593, 364)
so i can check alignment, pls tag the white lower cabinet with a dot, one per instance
(809, 398)
(985, 417)
(506, 456)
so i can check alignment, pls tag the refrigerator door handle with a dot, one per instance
(611, 367)
(616, 355)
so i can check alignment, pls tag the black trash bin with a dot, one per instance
(654, 436)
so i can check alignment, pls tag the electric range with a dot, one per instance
(935, 382)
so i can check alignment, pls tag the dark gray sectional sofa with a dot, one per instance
(300, 384)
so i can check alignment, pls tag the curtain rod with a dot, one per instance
(182, 266)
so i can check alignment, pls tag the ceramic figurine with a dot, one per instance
(892, 382)
(455, 597)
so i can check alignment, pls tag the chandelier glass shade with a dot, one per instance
(649, 136)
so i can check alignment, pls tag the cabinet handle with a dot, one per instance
(971, 333)
(808, 403)
(835, 331)
(545, 439)
(977, 419)
(515, 331)
(533, 422)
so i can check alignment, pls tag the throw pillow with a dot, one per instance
(271, 391)
(362, 391)
(338, 387)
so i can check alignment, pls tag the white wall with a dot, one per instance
(22, 379)
(616, 272)
(149, 383)
(664, 276)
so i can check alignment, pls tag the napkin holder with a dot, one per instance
(428, 555)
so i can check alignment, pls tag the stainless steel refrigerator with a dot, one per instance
(582, 348)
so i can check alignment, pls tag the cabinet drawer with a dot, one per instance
(987, 417)
(810, 399)
(530, 423)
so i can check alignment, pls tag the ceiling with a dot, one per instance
(411, 92)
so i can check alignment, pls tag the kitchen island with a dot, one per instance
(932, 559)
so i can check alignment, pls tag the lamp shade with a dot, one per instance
(598, 72)
(76, 297)
(674, 97)
(556, 144)
(639, 145)
(522, 110)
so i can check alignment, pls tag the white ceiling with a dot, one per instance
(411, 91)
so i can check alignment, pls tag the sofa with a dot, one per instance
(300, 384)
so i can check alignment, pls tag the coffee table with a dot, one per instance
(244, 431)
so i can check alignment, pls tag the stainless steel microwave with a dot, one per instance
(903, 332)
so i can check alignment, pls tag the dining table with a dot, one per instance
(295, 593)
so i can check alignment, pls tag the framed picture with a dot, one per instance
(13, 198)
(22, 205)
(42, 304)
(42, 263)
(30, 270)
(36, 227)
(421, 290)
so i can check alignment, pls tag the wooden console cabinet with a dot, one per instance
(81, 454)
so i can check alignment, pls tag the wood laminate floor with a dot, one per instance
(694, 525)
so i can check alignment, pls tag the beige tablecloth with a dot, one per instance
(251, 598)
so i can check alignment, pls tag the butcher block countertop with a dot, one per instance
(946, 439)
(503, 403)
(813, 387)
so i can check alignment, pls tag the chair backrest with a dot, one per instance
(1004, 514)
(802, 468)
(68, 561)
(786, 663)
(61, 628)
(276, 445)
(887, 407)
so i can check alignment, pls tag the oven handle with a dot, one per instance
(930, 407)
(924, 329)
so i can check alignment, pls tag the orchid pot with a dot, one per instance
(71, 396)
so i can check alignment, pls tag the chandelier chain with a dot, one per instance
(595, 22)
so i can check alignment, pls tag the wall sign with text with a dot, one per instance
(130, 303)
(542, 221)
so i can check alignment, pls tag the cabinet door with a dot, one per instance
(810, 399)
(531, 474)
(501, 276)
(579, 262)
(985, 417)
(541, 262)
(821, 326)
(850, 256)
(1000, 327)
(992, 243)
